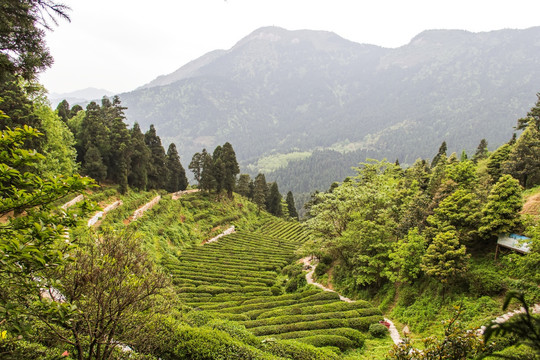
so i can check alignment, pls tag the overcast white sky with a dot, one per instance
(119, 45)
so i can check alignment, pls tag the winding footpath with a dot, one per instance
(394, 334)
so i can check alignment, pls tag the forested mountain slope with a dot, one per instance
(277, 91)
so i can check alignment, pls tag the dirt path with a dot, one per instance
(140, 211)
(535, 309)
(226, 232)
(177, 195)
(394, 334)
(94, 220)
(72, 202)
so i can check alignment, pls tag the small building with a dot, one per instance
(514, 242)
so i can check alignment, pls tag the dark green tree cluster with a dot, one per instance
(216, 172)
(389, 224)
(109, 151)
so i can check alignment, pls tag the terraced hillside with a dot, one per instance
(239, 278)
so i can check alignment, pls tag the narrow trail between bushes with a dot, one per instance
(394, 334)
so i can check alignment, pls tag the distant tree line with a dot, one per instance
(108, 151)
(217, 172)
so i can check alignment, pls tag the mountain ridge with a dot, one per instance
(278, 91)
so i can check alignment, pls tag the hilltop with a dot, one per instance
(279, 91)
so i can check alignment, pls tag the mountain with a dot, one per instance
(79, 96)
(278, 91)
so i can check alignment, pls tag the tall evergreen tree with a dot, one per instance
(291, 206)
(93, 164)
(273, 202)
(445, 258)
(260, 190)
(94, 132)
(157, 171)
(75, 110)
(63, 110)
(139, 159)
(481, 151)
(440, 153)
(230, 167)
(177, 179)
(196, 166)
(208, 181)
(120, 146)
(242, 186)
(524, 160)
(218, 169)
(533, 116)
(495, 161)
(501, 212)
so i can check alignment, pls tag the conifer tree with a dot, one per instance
(533, 116)
(273, 202)
(208, 181)
(260, 190)
(242, 186)
(523, 162)
(93, 164)
(139, 159)
(196, 166)
(218, 170)
(440, 153)
(63, 110)
(120, 146)
(501, 212)
(291, 206)
(445, 258)
(157, 171)
(481, 151)
(94, 132)
(230, 168)
(496, 159)
(177, 179)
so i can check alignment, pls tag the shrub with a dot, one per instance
(276, 290)
(328, 340)
(209, 344)
(378, 330)
(235, 330)
(19, 349)
(485, 282)
(354, 335)
(291, 349)
(321, 269)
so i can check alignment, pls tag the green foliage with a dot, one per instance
(378, 330)
(176, 179)
(110, 281)
(458, 343)
(291, 206)
(406, 257)
(294, 350)
(22, 38)
(273, 201)
(525, 327)
(523, 162)
(445, 258)
(58, 147)
(500, 214)
(33, 239)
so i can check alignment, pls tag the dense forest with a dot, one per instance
(103, 255)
